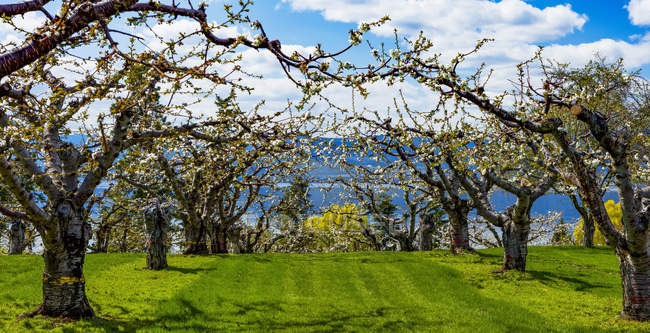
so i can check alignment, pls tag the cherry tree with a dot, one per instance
(84, 58)
(543, 109)
(415, 148)
(215, 178)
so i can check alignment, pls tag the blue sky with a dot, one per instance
(571, 30)
(302, 21)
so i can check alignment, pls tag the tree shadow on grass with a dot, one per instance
(185, 270)
(489, 255)
(193, 319)
(551, 279)
(224, 310)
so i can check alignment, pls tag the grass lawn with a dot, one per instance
(566, 289)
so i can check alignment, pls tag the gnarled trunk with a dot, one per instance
(157, 216)
(459, 232)
(195, 239)
(635, 279)
(64, 287)
(17, 237)
(515, 245)
(234, 238)
(218, 239)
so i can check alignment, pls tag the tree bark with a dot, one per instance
(195, 239)
(405, 243)
(17, 237)
(102, 238)
(515, 246)
(234, 237)
(426, 238)
(157, 216)
(589, 228)
(123, 242)
(459, 231)
(426, 232)
(635, 279)
(64, 286)
(218, 239)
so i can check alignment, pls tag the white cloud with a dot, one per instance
(634, 54)
(28, 22)
(456, 24)
(639, 11)
(518, 28)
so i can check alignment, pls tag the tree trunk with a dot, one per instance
(405, 244)
(589, 229)
(17, 237)
(515, 246)
(218, 240)
(635, 279)
(459, 232)
(587, 220)
(195, 239)
(64, 287)
(123, 245)
(157, 215)
(102, 238)
(426, 238)
(426, 232)
(234, 237)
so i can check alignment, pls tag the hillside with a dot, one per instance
(566, 289)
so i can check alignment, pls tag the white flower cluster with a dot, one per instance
(364, 27)
(355, 38)
(258, 40)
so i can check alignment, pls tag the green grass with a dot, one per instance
(566, 289)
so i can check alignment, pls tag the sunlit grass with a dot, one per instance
(566, 289)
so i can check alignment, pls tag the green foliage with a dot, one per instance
(438, 236)
(295, 203)
(338, 229)
(362, 292)
(615, 214)
(386, 206)
(562, 235)
(346, 217)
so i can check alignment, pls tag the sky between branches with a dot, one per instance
(571, 31)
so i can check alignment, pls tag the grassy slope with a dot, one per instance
(566, 289)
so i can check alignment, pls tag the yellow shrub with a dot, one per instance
(615, 214)
(345, 217)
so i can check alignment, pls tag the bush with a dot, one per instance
(615, 214)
